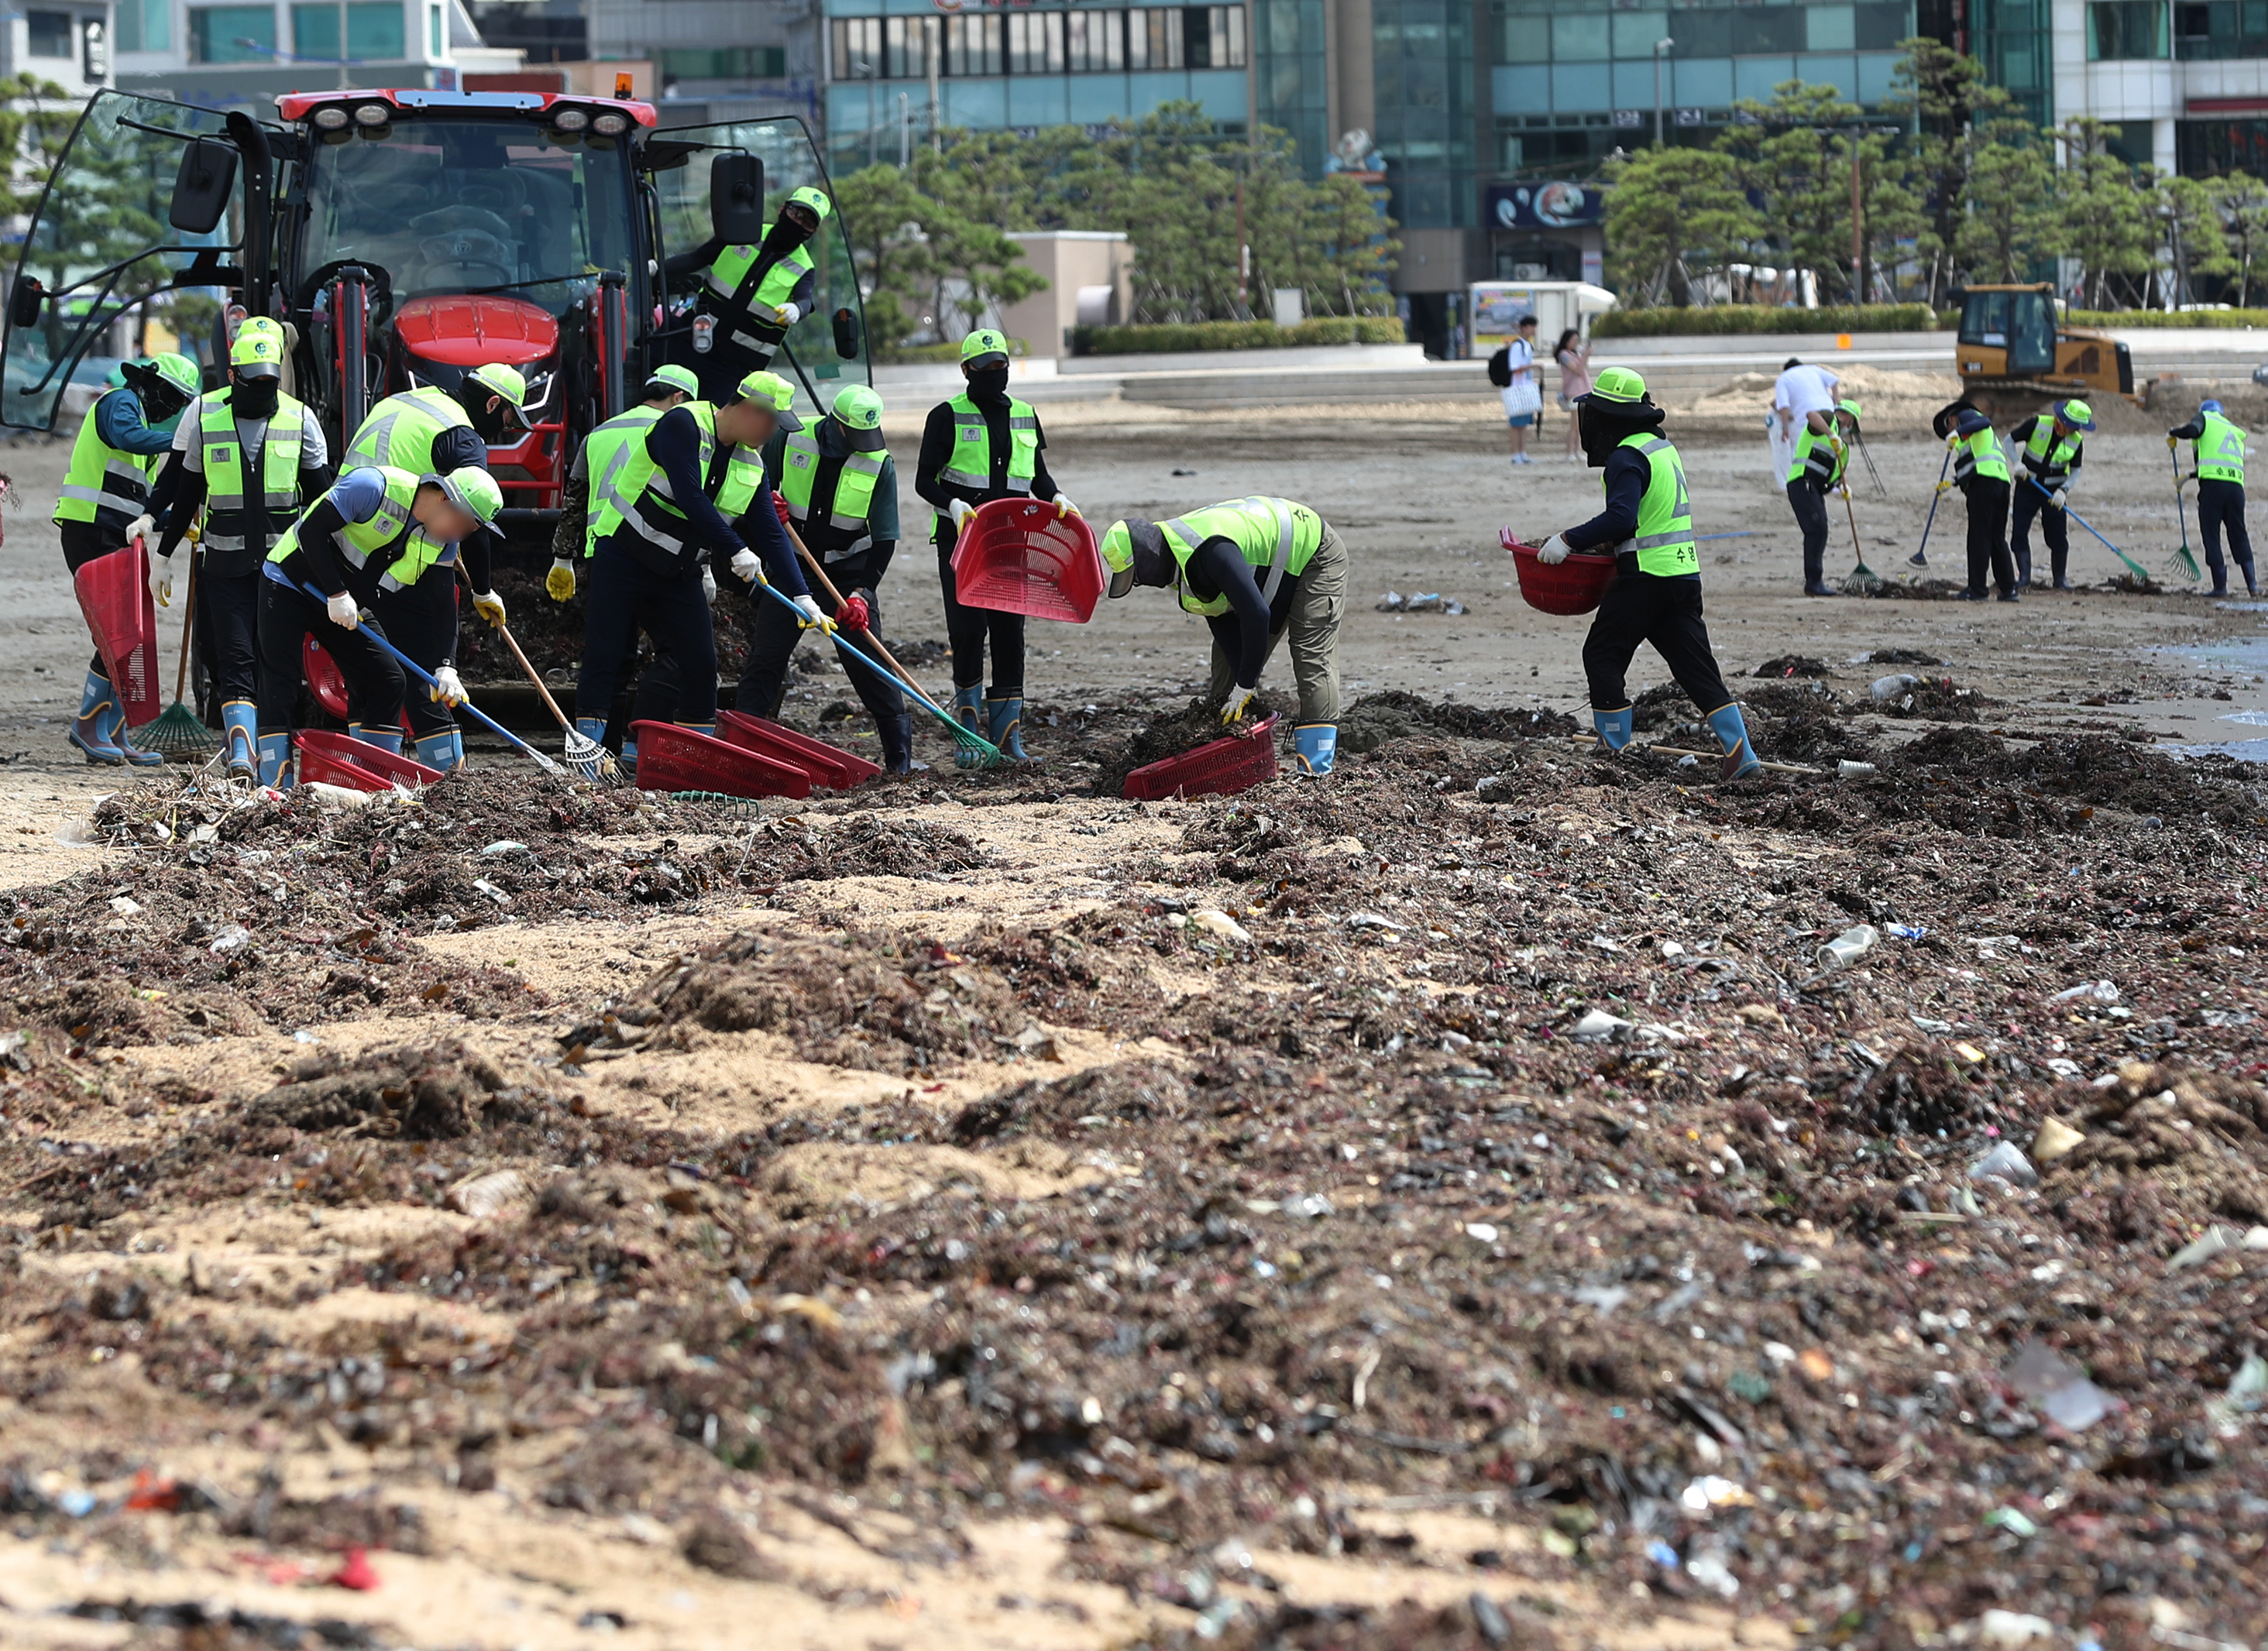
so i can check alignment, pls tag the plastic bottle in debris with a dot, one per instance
(1848, 947)
(1890, 687)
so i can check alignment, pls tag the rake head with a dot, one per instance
(2182, 564)
(594, 761)
(1862, 581)
(178, 735)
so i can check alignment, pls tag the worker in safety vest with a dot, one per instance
(840, 489)
(432, 431)
(654, 524)
(751, 295)
(248, 456)
(1258, 569)
(2219, 473)
(597, 462)
(2050, 446)
(378, 529)
(1980, 470)
(1815, 469)
(1656, 594)
(104, 493)
(983, 445)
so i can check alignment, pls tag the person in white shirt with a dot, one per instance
(1523, 396)
(1801, 390)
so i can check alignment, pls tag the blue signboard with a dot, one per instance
(1543, 206)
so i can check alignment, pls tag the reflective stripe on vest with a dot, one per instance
(1664, 541)
(726, 276)
(390, 527)
(104, 483)
(400, 431)
(2221, 450)
(641, 498)
(854, 489)
(970, 464)
(1271, 533)
(222, 454)
(1980, 455)
(2037, 458)
(604, 452)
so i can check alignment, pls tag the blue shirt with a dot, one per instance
(118, 419)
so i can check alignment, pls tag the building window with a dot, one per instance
(972, 46)
(1153, 39)
(232, 34)
(1097, 41)
(729, 63)
(858, 48)
(2120, 30)
(146, 25)
(1035, 43)
(374, 32)
(908, 47)
(436, 42)
(48, 33)
(1039, 42)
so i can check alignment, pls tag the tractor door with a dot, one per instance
(826, 349)
(107, 272)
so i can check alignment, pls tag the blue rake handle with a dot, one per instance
(426, 677)
(1934, 498)
(2134, 567)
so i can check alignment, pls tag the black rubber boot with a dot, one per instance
(897, 736)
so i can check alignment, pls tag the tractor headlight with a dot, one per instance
(372, 114)
(332, 117)
(571, 119)
(611, 124)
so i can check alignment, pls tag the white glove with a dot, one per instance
(1239, 697)
(143, 526)
(164, 579)
(813, 618)
(343, 611)
(707, 585)
(960, 511)
(746, 568)
(448, 687)
(1064, 506)
(789, 314)
(1554, 550)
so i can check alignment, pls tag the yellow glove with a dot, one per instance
(2170, 442)
(1945, 487)
(559, 584)
(1233, 711)
(489, 607)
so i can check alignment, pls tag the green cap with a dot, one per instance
(2077, 415)
(674, 377)
(1847, 405)
(774, 394)
(858, 410)
(474, 492)
(818, 202)
(1119, 557)
(498, 379)
(258, 352)
(984, 347)
(1618, 385)
(179, 372)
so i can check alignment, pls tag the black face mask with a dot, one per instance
(784, 236)
(989, 384)
(255, 398)
(160, 398)
(491, 417)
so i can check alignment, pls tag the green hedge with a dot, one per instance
(1717, 320)
(2231, 319)
(1157, 341)
(946, 355)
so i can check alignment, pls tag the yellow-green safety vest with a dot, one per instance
(969, 465)
(2221, 450)
(1980, 455)
(641, 498)
(725, 277)
(2049, 465)
(854, 489)
(400, 431)
(392, 527)
(1816, 458)
(606, 449)
(103, 484)
(743, 479)
(1664, 540)
(1272, 533)
(223, 456)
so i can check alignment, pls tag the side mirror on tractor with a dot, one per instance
(736, 199)
(24, 303)
(202, 186)
(846, 333)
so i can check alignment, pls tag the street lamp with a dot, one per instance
(1660, 46)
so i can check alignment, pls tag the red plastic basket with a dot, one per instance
(837, 770)
(323, 678)
(1220, 767)
(114, 594)
(674, 758)
(1018, 557)
(1574, 587)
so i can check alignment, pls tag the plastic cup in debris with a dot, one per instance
(1894, 686)
(1847, 769)
(1848, 947)
(2087, 992)
(2004, 1163)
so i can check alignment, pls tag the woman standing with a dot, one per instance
(1574, 358)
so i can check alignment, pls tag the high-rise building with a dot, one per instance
(247, 53)
(2185, 86)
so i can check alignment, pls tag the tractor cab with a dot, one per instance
(405, 237)
(2013, 354)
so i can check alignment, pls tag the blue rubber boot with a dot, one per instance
(110, 724)
(1612, 727)
(94, 710)
(1318, 746)
(967, 706)
(1004, 720)
(1733, 735)
(594, 729)
(239, 721)
(276, 760)
(386, 739)
(444, 751)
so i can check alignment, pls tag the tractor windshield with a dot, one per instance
(450, 205)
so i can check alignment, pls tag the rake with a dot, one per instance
(2132, 566)
(965, 737)
(178, 732)
(1921, 558)
(2184, 563)
(1861, 575)
(585, 755)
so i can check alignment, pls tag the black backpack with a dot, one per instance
(1499, 369)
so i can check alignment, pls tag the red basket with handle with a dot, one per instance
(674, 758)
(114, 594)
(1019, 557)
(837, 770)
(1574, 587)
(324, 680)
(1220, 767)
(355, 764)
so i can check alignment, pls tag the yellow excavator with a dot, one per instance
(2014, 355)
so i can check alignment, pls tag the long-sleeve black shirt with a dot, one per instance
(1628, 474)
(686, 270)
(864, 570)
(2022, 433)
(674, 445)
(937, 448)
(1216, 568)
